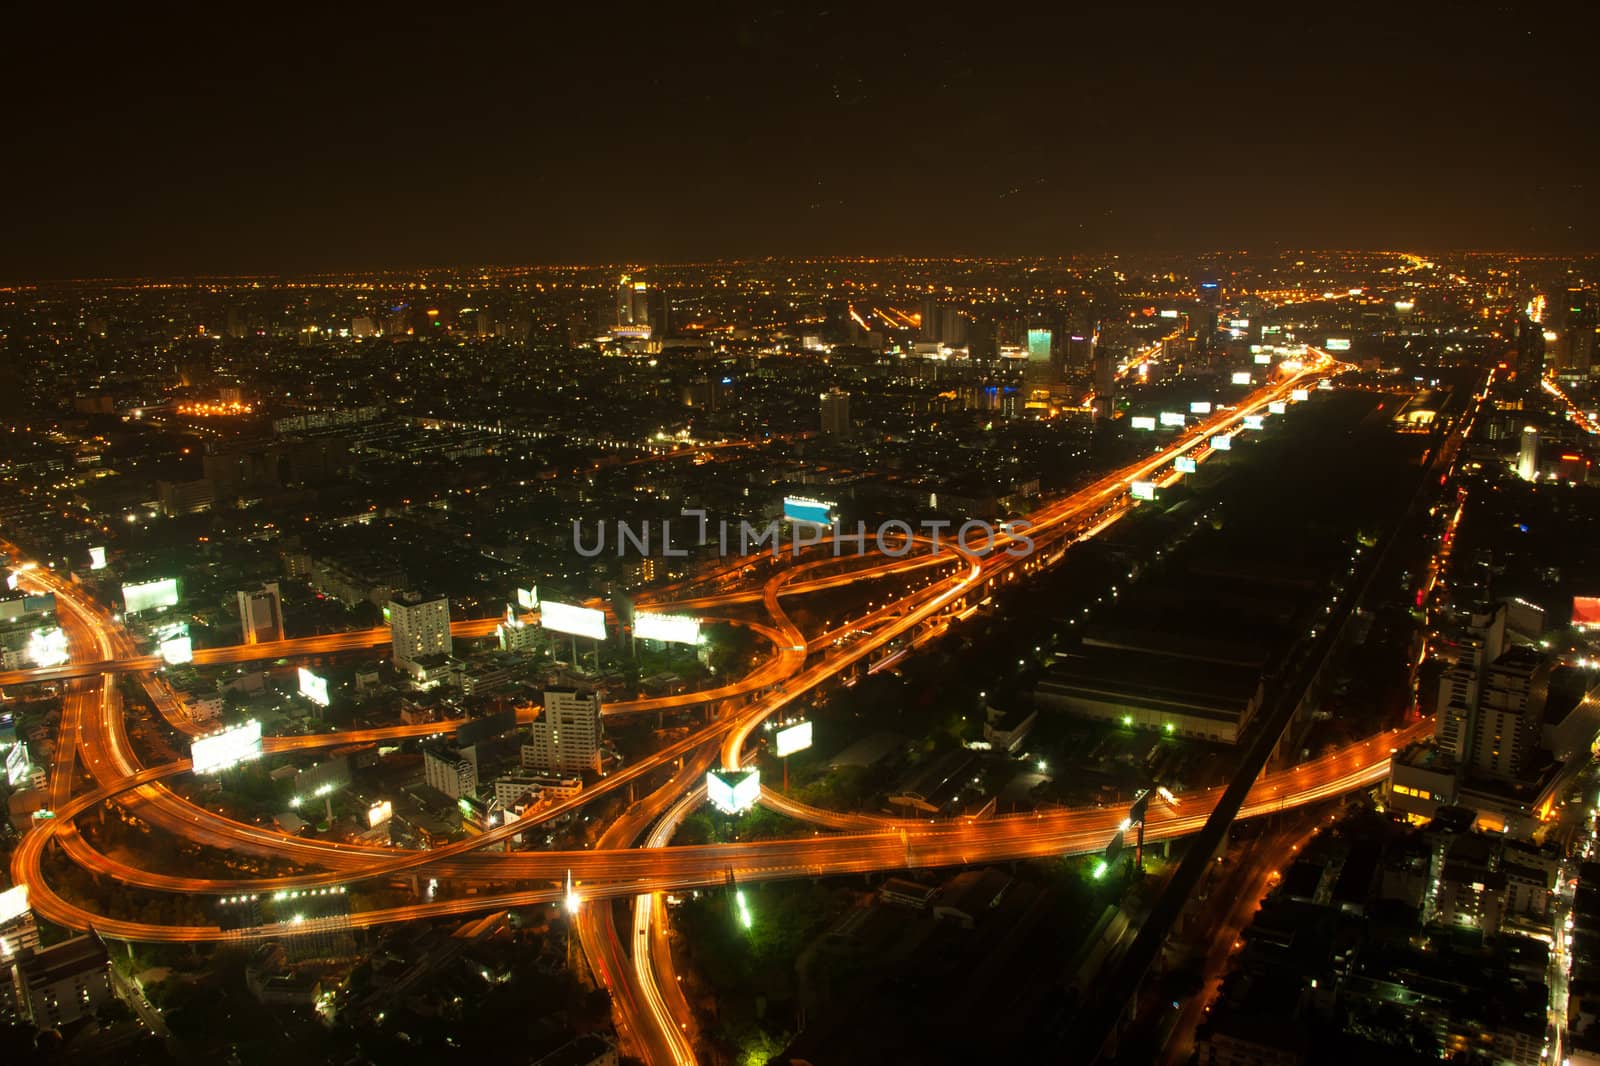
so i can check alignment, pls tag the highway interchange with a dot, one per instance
(652, 1016)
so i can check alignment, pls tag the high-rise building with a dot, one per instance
(261, 614)
(932, 320)
(1105, 381)
(1575, 349)
(418, 628)
(835, 414)
(1209, 293)
(453, 771)
(567, 733)
(1040, 371)
(1457, 703)
(1530, 354)
(634, 307)
(1528, 454)
(1510, 719)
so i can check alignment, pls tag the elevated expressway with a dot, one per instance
(93, 732)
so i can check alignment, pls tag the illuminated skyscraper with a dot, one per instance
(632, 299)
(1041, 369)
(418, 628)
(1528, 454)
(567, 733)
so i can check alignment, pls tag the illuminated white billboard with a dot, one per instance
(1200, 407)
(1142, 422)
(1222, 442)
(1184, 464)
(1143, 490)
(149, 595)
(47, 647)
(673, 628)
(13, 903)
(1277, 407)
(1338, 344)
(379, 813)
(176, 651)
(528, 598)
(1239, 323)
(234, 745)
(1174, 419)
(1255, 421)
(1300, 395)
(18, 768)
(1241, 377)
(97, 558)
(1169, 314)
(313, 688)
(1263, 359)
(574, 620)
(733, 791)
(793, 738)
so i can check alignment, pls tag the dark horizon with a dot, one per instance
(173, 145)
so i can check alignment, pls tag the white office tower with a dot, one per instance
(261, 614)
(419, 628)
(567, 734)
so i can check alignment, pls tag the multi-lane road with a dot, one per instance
(94, 741)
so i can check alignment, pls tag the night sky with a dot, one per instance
(283, 138)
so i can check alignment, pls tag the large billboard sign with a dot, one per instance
(805, 509)
(1277, 407)
(18, 768)
(47, 647)
(528, 598)
(574, 620)
(793, 738)
(149, 595)
(1174, 419)
(1300, 395)
(673, 628)
(1338, 344)
(733, 791)
(97, 558)
(1143, 490)
(235, 745)
(313, 687)
(13, 903)
(1586, 612)
(1184, 464)
(175, 651)
(1200, 407)
(1222, 442)
(1143, 422)
(379, 813)
(1255, 421)
(1241, 377)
